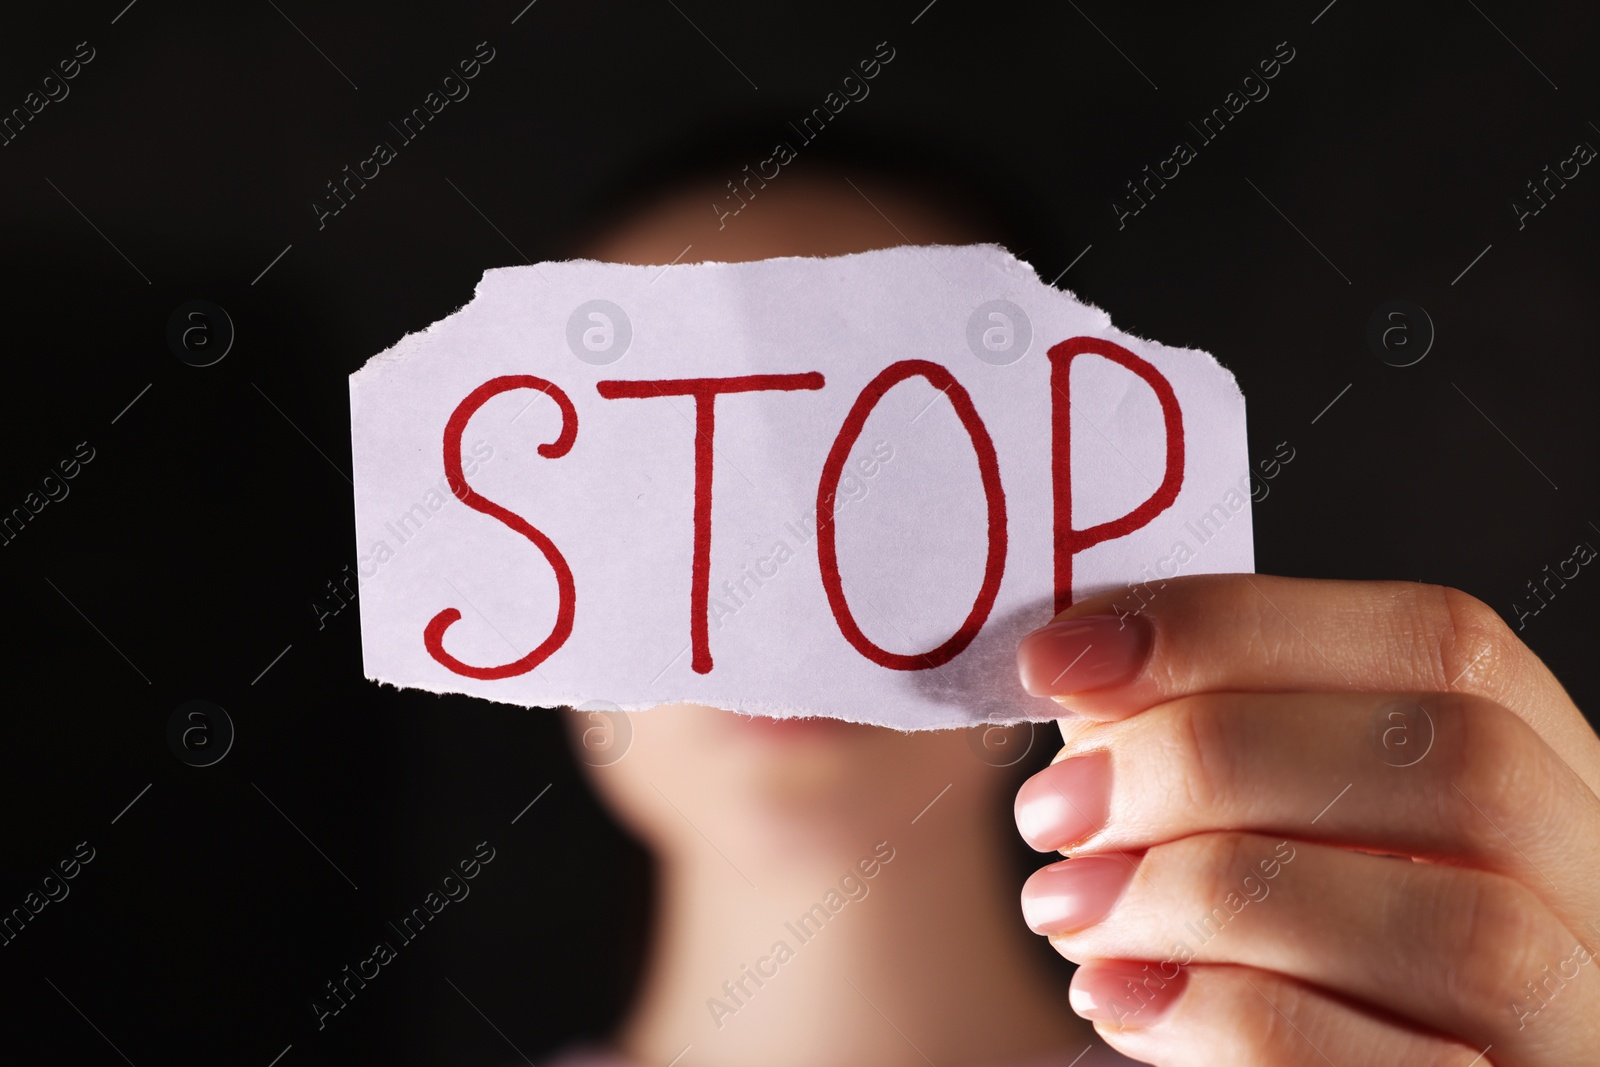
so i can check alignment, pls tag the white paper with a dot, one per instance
(911, 516)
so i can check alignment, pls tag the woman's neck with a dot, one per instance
(927, 959)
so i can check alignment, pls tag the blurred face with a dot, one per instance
(796, 215)
(793, 789)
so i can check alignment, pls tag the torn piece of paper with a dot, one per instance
(843, 486)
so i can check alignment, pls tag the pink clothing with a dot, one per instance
(1097, 1054)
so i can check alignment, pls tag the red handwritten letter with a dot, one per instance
(1069, 541)
(705, 392)
(988, 469)
(433, 635)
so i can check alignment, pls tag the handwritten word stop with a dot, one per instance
(843, 486)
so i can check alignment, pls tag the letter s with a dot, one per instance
(1279, 52)
(433, 634)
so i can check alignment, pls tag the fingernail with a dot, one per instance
(1077, 655)
(1065, 802)
(1075, 893)
(1128, 995)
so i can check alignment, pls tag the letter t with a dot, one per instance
(705, 392)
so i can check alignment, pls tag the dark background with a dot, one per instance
(192, 546)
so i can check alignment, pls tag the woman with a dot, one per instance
(1352, 823)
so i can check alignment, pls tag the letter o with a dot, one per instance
(994, 496)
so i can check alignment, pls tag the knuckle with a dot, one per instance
(1495, 937)
(1281, 1021)
(1279, 1015)
(1215, 864)
(1206, 752)
(1499, 774)
(1475, 649)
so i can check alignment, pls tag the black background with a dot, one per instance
(190, 549)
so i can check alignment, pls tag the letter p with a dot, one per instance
(1069, 541)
